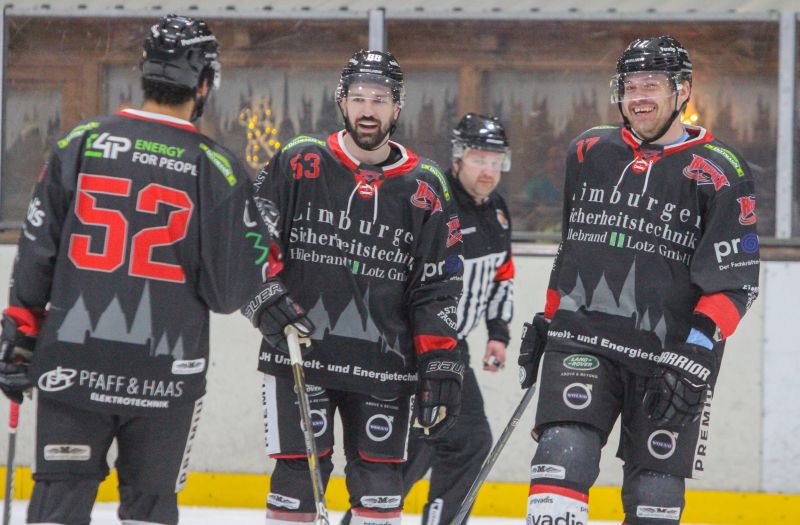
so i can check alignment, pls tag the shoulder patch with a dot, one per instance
(442, 179)
(221, 163)
(303, 139)
(77, 131)
(727, 155)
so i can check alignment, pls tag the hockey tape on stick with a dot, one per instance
(13, 421)
(296, 359)
(491, 459)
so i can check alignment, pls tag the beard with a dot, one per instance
(369, 141)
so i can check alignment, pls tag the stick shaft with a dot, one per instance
(13, 421)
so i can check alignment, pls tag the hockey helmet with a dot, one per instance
(481, 132)
(181, 51)
(662, 54)
(372, 67)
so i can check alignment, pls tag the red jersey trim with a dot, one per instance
(29, 321)
(720, 309)
(701, 136)
(551, 304)
(324, 453)
(370, 459)
(275, 261)
(369, 513)
(559, 491)
(506, 271)
(426, 343)
(155, 117)
(408, 160)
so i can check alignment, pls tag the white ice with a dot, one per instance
(106, 514)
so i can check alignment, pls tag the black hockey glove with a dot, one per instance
(534, 338)
(16, 350)
(438, 396)
(272, 310)
(675, 396)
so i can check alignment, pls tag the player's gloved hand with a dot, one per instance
(16, 350)
(675, 396)
(534, 338)
(438, 397)
(272, 310)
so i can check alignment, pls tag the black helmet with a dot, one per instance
(374, 67)
(481, 132)
(662, 54)
(181, 51)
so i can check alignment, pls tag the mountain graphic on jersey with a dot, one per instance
(603, 300)
(351, 324)
(76, 327)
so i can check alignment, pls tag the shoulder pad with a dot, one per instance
(304, 139)
(433, 169)
(728, 155)
(219, 161)
(77, 131)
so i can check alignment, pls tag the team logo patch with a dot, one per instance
(367, 191)
(577, 396)
(502, 219)
(454, 234)
(279, 500)
(658, 513)
(704, 172)
(425, 198)
(548, 471)
(379, 427)
(747, 210)
(662, 444)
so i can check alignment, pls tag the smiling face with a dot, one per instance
(648, 101)
(370, 112)
(479, 172)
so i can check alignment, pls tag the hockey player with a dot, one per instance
(658, 263)
(371, 253)
(480, 155)
(127, 245)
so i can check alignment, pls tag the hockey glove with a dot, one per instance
(438, 396)
(675, 396)
(272, 310)
(16, 350)
(534, 338)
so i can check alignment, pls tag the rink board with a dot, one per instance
(494, 499)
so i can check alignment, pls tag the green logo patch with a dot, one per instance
(302, 139)
(77, 131)
(442, 179)
(221, 163)
(581, 362)
(729, 156)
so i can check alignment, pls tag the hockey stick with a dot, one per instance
(296, 359)
(13, 420)
(491, 459)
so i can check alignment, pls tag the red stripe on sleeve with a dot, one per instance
(537, 488)
(720, 309)
(426, 343)
(553, 300)
(28, 320)
(506, 271)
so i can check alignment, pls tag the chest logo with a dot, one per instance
(705, 172)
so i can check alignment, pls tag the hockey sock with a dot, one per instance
(552, 505)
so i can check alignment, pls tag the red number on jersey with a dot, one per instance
(116, 226)
(307, 167)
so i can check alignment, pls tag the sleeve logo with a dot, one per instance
(747, 210)
(425, 198)
(704, 171)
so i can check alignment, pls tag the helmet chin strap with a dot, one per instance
(675, 113)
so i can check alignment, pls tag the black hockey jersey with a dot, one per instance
(488, 291)
(651, 236)
(374, 256)
(137, 227)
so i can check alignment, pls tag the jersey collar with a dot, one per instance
(138, 114)
(407, 162)
(697, 135)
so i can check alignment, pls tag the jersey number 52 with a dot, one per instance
(116, 226)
